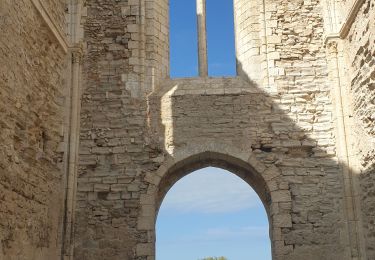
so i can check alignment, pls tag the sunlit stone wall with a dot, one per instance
(32, 72)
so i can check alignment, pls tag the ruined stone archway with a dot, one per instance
(235, 165)
(261, 178)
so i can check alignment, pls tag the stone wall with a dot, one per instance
(56, 10)
(249, 24)
(157, 40)
(128, 140)
(298, 69)
(273, 125)
(297, 55)
(292, 132)
(360, 46)
(31, 123)
(115, 150)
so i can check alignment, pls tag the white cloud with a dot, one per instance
(213, 235)
(210, 190)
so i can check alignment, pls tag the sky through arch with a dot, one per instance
(212, 212)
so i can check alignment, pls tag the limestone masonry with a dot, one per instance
(94, 132)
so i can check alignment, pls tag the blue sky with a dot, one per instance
(220, 38)
(212, 212)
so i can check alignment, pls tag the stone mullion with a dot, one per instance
(202, 38)
(72, 150)
(72, 131)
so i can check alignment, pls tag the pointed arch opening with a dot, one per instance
(244, 165)
(212, 213)
(211, 159)
(266, 180)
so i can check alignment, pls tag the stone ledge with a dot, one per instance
(206, 86)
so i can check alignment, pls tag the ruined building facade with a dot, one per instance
(93, 131)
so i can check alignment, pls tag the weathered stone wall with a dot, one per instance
(126, 136)
(156, 40)
(115, 151)
(360, 50)
(274, 125)
(297, 55)
(249, 48)
(56, 9)
(31, 121)
(292, 132)
(297, 67)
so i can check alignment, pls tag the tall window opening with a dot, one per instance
(202, 38)
(183, 37)
(220, 38)
(212, 213)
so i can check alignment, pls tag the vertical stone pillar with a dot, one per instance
(352, 199)
(74, 31)
(202, 38)
(73, 146)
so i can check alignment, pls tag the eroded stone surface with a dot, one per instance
(297, 124)
(31, 119)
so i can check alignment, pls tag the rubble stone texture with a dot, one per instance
(31, 112)
(93, 132)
